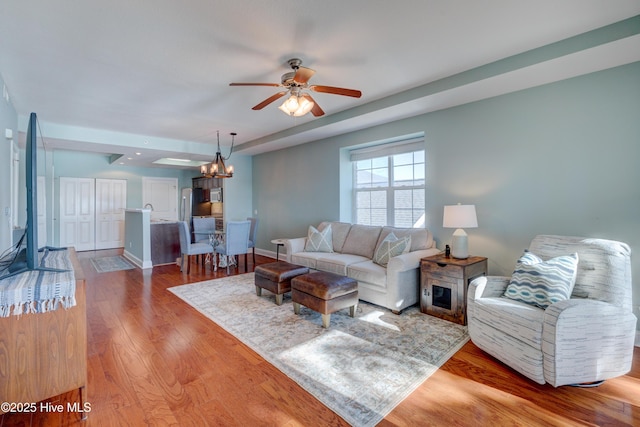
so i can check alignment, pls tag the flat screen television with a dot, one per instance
(27, 257)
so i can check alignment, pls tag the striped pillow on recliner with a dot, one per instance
(542, 283)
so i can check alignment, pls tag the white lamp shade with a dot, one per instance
(460, 216)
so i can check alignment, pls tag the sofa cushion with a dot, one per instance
(390, 247)
(370, 272)
(339, 232)
(542, 283)
(306, 259)
(362, 240)
(337, 263)
(515, 318)
(421, 238)
(319, 241)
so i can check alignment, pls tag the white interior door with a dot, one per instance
(111, 200)
(77, 213)
(162, 194)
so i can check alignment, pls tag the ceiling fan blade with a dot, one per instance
(255, 84)
(316, 110)
(336, 90)
(303, 74)
(269, 100)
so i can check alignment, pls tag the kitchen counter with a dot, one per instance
(150, 242)
(136, 235)
(165, 242)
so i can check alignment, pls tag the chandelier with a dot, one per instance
(217, 168)
(298, 104)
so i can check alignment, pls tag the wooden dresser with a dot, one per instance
(444, 282)
(45, 354)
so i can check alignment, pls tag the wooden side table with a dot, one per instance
(444, 282)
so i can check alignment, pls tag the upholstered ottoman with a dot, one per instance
(276, 277)
(325, 293)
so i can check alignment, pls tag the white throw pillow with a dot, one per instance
(319, 241)
(542, 283)
(390, 247)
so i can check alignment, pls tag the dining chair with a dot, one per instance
(252, 238)
(236, 241)
(187, 248)
(203, 228)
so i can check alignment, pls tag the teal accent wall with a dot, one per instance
(295, 187)
(137, 235)
(8, 120)
(555, 159)
(237, 190)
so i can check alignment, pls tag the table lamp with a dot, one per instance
(459, 217)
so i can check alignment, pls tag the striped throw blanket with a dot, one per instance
(40, 291)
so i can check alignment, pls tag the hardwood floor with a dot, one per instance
(154, 360)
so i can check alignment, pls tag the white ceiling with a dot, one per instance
(153, 75)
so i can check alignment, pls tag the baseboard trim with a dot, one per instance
(137, 261)
(270, 254)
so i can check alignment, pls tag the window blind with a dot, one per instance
(389, 149)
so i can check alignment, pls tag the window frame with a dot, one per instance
(388, 151)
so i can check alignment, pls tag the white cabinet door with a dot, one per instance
(162, 195)
(111, 200)
(77, 213)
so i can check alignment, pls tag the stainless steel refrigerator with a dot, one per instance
(191, 206)
(186, 205)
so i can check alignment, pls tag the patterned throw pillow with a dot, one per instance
(542, 283)
(319, 241)
(389, 247)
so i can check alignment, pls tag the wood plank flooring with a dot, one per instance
(154, 360)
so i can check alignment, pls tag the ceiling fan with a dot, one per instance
(296, 82)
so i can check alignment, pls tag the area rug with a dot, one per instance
(361, 367)
(111, 263)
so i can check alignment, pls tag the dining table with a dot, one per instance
(216, 237)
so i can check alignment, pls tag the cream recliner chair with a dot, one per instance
(584, 339)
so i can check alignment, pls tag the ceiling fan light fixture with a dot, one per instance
(295, 82)
(296, 106)
(304, 107)
(291, 104)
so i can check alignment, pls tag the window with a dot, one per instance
(390, 185)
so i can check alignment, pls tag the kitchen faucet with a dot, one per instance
(148, 205)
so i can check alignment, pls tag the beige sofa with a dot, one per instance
(353, 247)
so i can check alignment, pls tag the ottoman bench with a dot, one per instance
(276, 277)
(325, 293)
